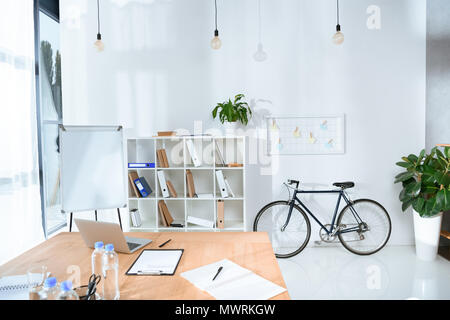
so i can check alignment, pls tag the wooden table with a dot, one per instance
(251, 250)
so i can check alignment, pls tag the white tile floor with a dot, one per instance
(392, 273)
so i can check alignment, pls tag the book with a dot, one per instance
(164, 155)
(143, 187)
(166, 133)
(161, 213)
(200, 221)
(190, 184)
(235, 165)
(167, 216)
(195, 159)
(132, 175)
(221, 184)
(133, 165)
(171, 188)
(163, 184)
(162, 158)
(220, 214)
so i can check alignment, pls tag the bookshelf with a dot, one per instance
(232, 149)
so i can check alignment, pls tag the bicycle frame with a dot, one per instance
(303, 206)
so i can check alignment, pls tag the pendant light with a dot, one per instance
(215, 42)
(338, 37)
(99, 45)
(260, 55)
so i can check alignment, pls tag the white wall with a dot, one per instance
(158, 72)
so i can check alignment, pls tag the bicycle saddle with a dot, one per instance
(344, 185)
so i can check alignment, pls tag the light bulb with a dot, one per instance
(215, 42)
(260, 55)
(338, 37)
(99, 45)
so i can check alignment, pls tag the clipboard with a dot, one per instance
(156, 262)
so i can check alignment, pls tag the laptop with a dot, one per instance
(93, 231)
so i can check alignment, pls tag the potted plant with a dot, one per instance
(232, 112)
(426, 187)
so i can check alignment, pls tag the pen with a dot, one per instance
(162, 245)
(218, 271)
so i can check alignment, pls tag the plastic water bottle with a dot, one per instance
(97, 264)
(110, 274)
(66, 292)
(50, 290)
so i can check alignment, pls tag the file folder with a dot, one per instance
(193, 153)
(143, 187)
(221, 184)
(163, 184)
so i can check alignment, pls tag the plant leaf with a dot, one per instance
(419, 205)
(403, 176)
(443, 199)
(407, 204)
(405, 164)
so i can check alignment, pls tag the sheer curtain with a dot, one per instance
(20, 204)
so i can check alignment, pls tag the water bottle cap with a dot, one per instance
(66, 285)
(99, 245)
(50, 282)
(109, 247)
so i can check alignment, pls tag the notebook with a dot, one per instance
(16, 287)
(233, 282)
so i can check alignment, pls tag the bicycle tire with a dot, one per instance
(341, 215)
(308, 224)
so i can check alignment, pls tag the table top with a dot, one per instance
(66, 254)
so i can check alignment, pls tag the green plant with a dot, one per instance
(233, 111)
(426, 182)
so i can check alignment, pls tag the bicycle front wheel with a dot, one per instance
(374, 229)
(295, 236)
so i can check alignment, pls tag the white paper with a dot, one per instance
(233, 282)
(164, 261)
(19, 284)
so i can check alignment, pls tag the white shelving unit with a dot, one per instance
(232, 149)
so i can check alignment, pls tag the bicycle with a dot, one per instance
(363, 226)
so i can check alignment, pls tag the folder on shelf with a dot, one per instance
(166, 213)
(220, 214)
(195, 159)
(143, 187)
(171, 188)
(190, 184)
(201, 222)
(221, 160)
(221, 184)
(228, 187)
(132, 175)
(163, 184)
(133, 165)
(162, 158)
(161, 213)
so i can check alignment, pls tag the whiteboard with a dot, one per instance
(92, 168)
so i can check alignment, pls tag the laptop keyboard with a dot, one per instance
(132, 245)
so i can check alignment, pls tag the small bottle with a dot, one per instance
(110, 274)
(50, 290)
(66, 292)
(97, 264)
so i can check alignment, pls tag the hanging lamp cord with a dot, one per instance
(98, 16)
(337, 11)
(215, 8)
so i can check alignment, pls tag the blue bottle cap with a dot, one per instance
(66, 285)
(50, 282)
(99, 245)
(109, 247)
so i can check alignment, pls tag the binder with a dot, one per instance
(132, 175)
(135, 218)
(161, 213)
(171, 188)
(141, 165)
(143, 187)
(219, 155)
(163, 184)
(193, 153)
(220, 214)
(221, 184)
(228, 187)
(200, 222)
(190, 184)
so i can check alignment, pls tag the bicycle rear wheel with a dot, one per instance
(374, 231)
(294, 238)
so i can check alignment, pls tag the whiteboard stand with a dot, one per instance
(118, 215)
(92, 169)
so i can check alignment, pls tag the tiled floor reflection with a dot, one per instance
(392, 273)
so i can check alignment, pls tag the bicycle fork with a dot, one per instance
(291, 207)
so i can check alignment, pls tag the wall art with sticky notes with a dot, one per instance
(306, 135)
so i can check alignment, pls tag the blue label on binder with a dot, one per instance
(137, 165)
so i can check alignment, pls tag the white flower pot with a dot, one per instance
(230, 127)
(427, 232)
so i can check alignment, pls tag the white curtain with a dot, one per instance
(20, 204)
